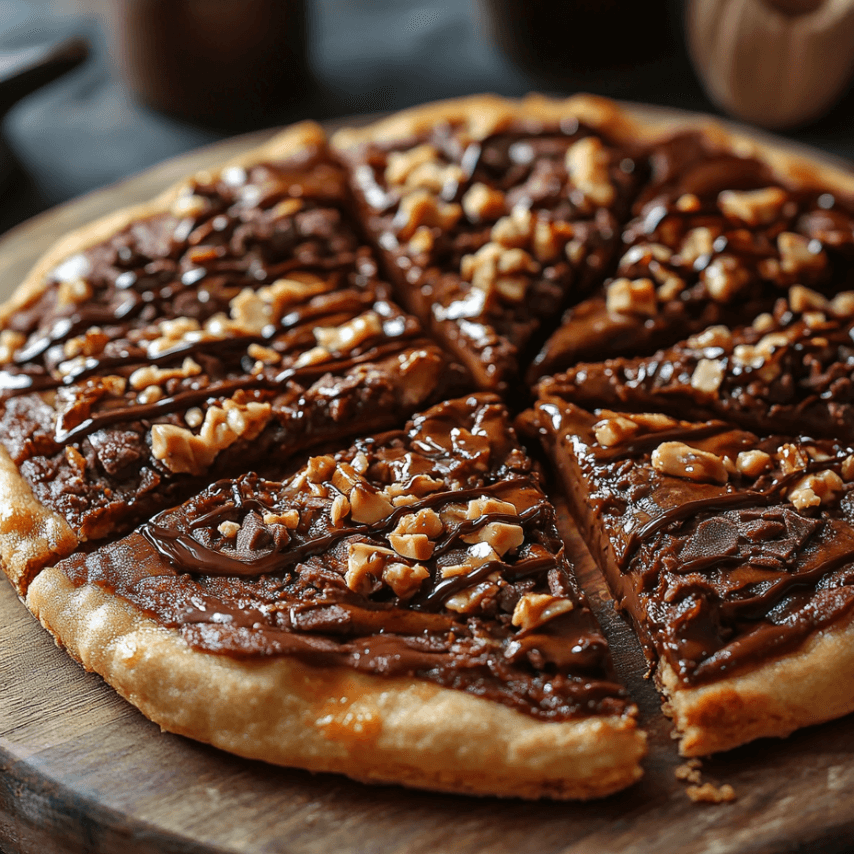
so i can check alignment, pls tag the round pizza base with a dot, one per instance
(389, 730)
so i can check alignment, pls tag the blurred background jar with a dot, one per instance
(226, 63)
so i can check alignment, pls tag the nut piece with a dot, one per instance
(724, 278)
(422, 208)
(501, 536)
(288, 518)
(753, 207)
(404, 579)
(425, 521)
(150, 375)
(72, 292)
(340, 508)
(708, 376)
(814, 489)
(341, 339)
(696, 243)
(752, 463)
(319, 469)
(182, 451)
(614, 431)
(401, 164)
(368, 507)
(534, 609)
(495, 269)
(470, 599)
(587, 163)
(482, 203)
(799, 254)
(803, 299)
(680, 460)
(364, 560)
(10, 341)
(416, 546)
(625, 296)
(228, 529)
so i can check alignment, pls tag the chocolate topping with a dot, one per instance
(430, 552)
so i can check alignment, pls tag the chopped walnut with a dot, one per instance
(714, 336)
(150, 375)
(803, 299)
(646, 253)
(814, 489)
(340, 339)
(708, 376)
(680, 460)
(10, 341)
(194, 417)
(319, 469)
(287, 207)
(471, 598)
(696, 243)
(482, 203)
(365, 560)
(752, 463)
(501, 536)
(422, 208)
(416, 546)
(799, 254)
(625, 296)
(753, 207)
(367, 506)
(587, 164)
(401, 163)
(417, 487)
(340, 508)
(614, 430)
(422, 241)
(404, 579)
(494, 268)
(344, 476)
(688, 203)
(150, 395)
(534, 609)
(724, 277)
(173, 332)
(514, 230)
(251, 311)
(426, 521)
(480, 553)
(288, 518)
(792, 458)
(842, 305)
(72, 292)
(314, 356)
(228, 529)
(848, 469)
(182, 451)
(92, 343)
(265, 355)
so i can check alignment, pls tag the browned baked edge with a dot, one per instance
(390, 730)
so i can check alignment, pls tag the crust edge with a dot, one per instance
(370, 728)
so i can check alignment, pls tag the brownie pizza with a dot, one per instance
(256, 448)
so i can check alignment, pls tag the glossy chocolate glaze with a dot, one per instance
(269, 589)
(526, 164)
(76, 415)
(792, 372)
(716, 578)
(688, 176)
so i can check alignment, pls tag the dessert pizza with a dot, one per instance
(254, 453)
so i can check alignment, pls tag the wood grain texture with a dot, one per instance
(83, 771)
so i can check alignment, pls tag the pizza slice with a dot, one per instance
(236, 317)
(722, 229)
(400, 611)
(789, 371)
(493, 215)
(733, 554)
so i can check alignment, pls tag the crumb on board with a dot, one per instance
(709, 793)
(688, 773)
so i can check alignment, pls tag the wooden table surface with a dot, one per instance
(82, 771)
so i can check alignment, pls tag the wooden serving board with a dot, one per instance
(82, 771)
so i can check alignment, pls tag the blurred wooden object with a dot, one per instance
(777, 63)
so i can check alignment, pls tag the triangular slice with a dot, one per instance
(732, 553)
(402, 611)
(493, 215)
(717, 237)
(790, 371)
(236, 316)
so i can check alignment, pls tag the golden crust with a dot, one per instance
(810, 685)
(372, 728)
(31, 535)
